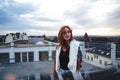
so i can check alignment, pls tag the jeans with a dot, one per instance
(66, 74)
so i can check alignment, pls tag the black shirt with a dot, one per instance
(64, 59)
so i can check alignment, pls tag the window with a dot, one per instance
(102, 52)
(118, 67)
(31, 56)
(91, 58)
(17, 56)
(24, 56)
(4, 58)
(88, 57)
(96, 56)
(43, 55)
(105, 63)
(100, 61)
(107, 53)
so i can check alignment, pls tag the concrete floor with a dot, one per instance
(45, 68)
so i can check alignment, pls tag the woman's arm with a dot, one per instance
(79, 59)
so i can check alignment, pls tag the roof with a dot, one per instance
(101, 52)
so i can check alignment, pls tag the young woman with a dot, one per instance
(68, 56)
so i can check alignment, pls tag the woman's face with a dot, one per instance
(67, 34)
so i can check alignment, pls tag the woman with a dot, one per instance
(68, 55)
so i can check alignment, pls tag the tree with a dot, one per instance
(86, 38)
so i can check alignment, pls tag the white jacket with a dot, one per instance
(72, 56)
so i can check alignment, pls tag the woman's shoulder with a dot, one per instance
(75, 42)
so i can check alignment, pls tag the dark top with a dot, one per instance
(64, 59)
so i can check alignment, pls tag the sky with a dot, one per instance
(45, 17)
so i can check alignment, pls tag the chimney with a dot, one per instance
(113, 55)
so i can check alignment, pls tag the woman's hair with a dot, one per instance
(61, 40)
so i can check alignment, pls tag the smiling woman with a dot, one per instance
(68, 56)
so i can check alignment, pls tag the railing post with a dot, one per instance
(12, 54)
(49, 51)
(36, 55)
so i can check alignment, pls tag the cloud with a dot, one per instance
(45, 19)
(13, 17)
(96, 13)
(47, 16)
(114, 18)
(10, 11)
(79, 15)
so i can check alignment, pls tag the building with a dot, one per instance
(103, 55)
(17, 38)
(99, 57)
(9, 38)
(19, 48)
(26, 52)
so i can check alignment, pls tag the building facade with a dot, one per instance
(26, 53)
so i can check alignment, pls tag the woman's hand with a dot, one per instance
(79, 64)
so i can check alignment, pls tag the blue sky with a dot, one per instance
(38, 17)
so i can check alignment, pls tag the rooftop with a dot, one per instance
(102, 52)
(44, 69)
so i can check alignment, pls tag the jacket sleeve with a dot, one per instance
(79, 55)
(79, 59)
(54, 66)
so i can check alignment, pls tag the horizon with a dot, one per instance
(56, 35)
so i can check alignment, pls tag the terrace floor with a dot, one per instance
(39, 68)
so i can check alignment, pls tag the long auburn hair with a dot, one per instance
(61, 40)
